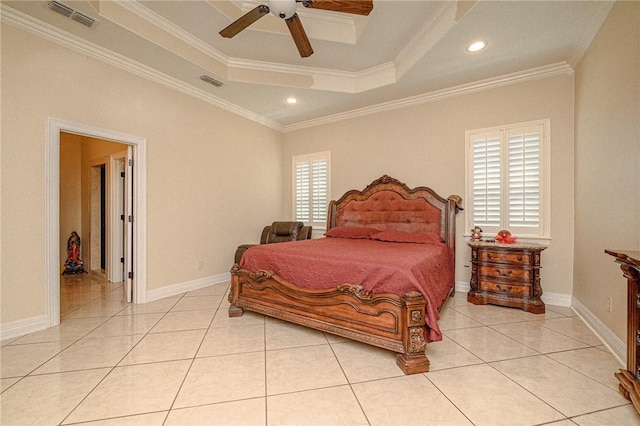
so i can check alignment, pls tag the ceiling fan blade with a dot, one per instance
(244, 21)
(299, 36)
(357, 7)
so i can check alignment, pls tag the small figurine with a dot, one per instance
(476, 233)
(73, 265)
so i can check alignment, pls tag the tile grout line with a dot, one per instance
(193, 359)
(117, 363)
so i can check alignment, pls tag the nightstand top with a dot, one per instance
(631, 257)
(516, 245)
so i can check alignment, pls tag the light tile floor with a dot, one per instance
(183, 361)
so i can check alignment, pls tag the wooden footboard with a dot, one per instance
(384, 320)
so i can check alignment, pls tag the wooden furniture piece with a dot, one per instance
(629, 379)
(506, 275)
(383, 319)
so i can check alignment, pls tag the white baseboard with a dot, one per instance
(615, 345)
(21, 327)
(175, 289)
(557, 299)
(463, 286)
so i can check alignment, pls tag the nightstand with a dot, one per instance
(506, 275)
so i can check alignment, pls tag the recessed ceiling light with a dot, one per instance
(476, 46)
(292, 100)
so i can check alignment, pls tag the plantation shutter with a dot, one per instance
(319, 190)
(508, 179)
(486, 180)
(311, 188)
(303, 211)
(524, 177)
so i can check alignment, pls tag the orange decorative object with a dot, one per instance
(505, 236)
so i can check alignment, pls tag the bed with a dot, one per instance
(317, 283)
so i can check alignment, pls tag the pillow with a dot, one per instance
(408, 237)
(350, 232)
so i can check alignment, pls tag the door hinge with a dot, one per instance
(121, 217)
(130, 275)
(131, 162)
(130, 218)
(122, 174)
(122, 260)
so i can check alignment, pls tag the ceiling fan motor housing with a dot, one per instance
(283, 8)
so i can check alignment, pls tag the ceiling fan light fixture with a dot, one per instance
(283, 8)
(476, 46)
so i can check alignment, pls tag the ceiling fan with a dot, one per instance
(286, 9)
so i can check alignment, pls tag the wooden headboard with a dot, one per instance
(388, 204)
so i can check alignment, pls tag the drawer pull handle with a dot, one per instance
(502, 274)
(500, 288)
(519, 258)
(490, 256)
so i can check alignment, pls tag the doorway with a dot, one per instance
(136, 146)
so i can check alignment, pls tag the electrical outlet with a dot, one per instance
(200, 265)
(609, 304)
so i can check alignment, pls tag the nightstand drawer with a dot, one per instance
(505, 272)
(497, 256)
(510, 289)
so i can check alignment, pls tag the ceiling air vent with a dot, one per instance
(211, 80)
(67, 11)
(83, 19)
(60, 8)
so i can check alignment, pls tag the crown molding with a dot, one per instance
(596, 21)
(546, 71)
(350, 82)
(244, 71)
(427, 37)
(174, 30)
(22, 21)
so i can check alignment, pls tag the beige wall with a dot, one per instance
(213, 178)
(424, 145)
(608, 163)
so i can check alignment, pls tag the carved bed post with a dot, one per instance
(454, 206)
(414, 359)
(234, 292)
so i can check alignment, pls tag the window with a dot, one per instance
(311, 188)
(507, 179)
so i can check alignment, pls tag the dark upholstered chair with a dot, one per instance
(278, 232)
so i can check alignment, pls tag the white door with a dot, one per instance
(128, 225)
(116, 218)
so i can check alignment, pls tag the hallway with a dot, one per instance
(83, 294)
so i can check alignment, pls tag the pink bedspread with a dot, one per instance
(380, 267)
